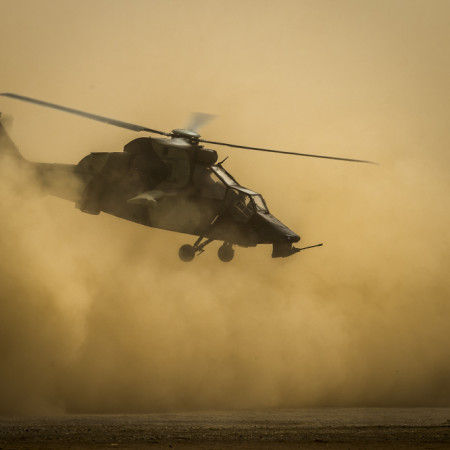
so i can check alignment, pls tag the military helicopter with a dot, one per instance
(173, 183)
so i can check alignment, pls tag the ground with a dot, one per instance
(343, 428)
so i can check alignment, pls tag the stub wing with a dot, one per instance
(147, 198)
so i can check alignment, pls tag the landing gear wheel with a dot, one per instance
(186, 253)
(226, 253)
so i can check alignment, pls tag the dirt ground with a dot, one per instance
(343, 428)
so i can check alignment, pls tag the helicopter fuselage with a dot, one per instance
(170, 184)
(175, 184)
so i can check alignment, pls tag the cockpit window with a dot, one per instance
(240, 205)
(244, 205)
(225, 176)
(260, 203)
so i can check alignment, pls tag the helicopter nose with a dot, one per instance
(281, 249)
(293, 238)
(276, 230)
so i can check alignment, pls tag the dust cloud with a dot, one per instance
(99, 315)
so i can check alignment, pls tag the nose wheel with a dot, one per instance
(226, 252)
(187, 252)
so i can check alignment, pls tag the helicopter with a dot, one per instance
(172, 183)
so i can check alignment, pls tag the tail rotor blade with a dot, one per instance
(6, 120)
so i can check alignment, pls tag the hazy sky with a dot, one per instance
(99, 315)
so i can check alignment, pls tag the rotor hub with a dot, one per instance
(190, 135)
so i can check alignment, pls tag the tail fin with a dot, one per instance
(7, 146)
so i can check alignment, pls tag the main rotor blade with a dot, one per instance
(199, 120)
(288, 153)
(117, 123)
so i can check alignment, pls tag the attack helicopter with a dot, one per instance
(173, 183)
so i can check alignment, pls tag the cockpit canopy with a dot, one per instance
(216, 183)
(244, 203)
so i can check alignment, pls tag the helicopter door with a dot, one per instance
(240, 205)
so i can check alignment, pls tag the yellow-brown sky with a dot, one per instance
(98, 315)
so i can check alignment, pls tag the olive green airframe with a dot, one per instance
(173, 183)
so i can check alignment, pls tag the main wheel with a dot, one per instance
(186, 253)
(226, 253)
